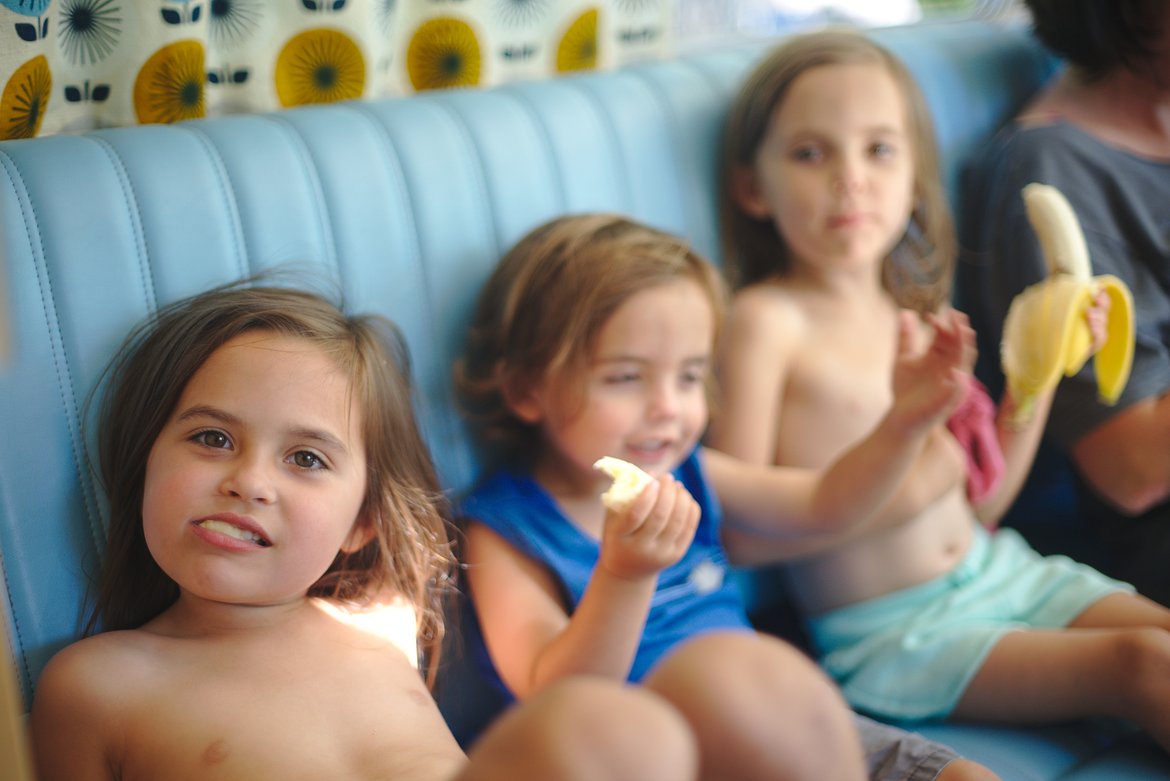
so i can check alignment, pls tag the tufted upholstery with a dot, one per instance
(405, 205)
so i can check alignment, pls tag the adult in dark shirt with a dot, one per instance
(1101, 134)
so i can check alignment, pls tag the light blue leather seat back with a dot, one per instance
(405, 205)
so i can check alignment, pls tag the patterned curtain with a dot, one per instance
(73, 65)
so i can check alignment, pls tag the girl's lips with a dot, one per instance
(846, 220)
(231, 531)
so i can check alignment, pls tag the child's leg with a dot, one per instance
(583, 730)
(1113, 660)
(760, 710)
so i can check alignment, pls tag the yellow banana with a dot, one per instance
(1045, 334)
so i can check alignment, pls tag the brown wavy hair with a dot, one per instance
(542, 310)
(918, 271)
(409, 552)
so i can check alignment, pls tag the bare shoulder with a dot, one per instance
(89, 663)
(80, 698)
(769, 313)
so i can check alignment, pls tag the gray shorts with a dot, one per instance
(893, 754)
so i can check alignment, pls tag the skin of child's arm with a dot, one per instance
(73, 724)
(937, 469)
(1019, 443)
(532, 639)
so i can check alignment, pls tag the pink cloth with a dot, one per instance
(973, 425)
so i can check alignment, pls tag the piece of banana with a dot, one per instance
(1045, 334)
(628, 482)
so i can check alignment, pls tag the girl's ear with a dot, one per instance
(522, 396)
(745, 192)
(524, 400)
(360, 535)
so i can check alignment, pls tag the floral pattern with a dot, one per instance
(319, 66)
(169, 86)
(71, 65)
(578, 48)
(25, 98)
(443, 53)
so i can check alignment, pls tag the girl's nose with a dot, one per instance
(665, 401)
(848, 178)
(249, 480)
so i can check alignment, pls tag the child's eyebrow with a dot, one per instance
(324, 438)
(204, 411)
(703, 359)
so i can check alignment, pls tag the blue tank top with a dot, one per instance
(695, 595)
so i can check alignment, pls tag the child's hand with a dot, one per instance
(1097, 318)
(652, 533)
(929, 382)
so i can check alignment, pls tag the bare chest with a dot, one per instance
(838, 387)
(357, 713)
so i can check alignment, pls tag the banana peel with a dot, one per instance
(1045, 334)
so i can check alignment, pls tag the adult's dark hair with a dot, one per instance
(1099, 36)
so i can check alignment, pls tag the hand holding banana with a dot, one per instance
(1046, 333)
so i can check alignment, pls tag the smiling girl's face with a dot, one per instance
(257, 479)
(644, 390)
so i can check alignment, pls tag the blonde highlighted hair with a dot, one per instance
(918, 271)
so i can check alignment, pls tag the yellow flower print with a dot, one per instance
(577, 50)
(443, 52)
(169, 86)
(319, 66)
(26, 96)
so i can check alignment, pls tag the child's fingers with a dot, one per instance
(967, 349)
(1097, 318)
(673, 518)
(907, 334)
(634, 516)
(659, 518)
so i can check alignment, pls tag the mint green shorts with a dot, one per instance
(911, 654)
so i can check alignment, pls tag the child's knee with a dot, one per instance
(752, 696)
(1145, 656)
(740, 663)
(603, 729)
(743, 681)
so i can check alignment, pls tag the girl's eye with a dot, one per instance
(693, 377)
(622, 379)
(881, 149)
(307, 459)
(806, 154)
(212, 438)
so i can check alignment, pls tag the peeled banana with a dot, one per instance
(628, 482)
(1045, 334)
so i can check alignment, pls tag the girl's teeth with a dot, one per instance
(232, 531)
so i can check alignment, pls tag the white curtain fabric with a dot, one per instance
(72, 65)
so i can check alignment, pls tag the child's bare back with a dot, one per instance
(243, 693)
